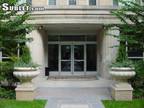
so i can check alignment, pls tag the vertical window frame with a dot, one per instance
(52, 4)
(92, 4)
(72, 4)
(134, 57)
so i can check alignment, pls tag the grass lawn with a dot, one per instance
(22, 104)
(124, 104)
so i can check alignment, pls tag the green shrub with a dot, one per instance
(7, 80)
(26, 57)
(138, 81)
(7, 93)
(125, 63)
(21, 63)
(6, 72)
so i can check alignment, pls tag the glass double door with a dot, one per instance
(72, 59)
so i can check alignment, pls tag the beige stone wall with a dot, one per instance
(39, 2)
(62, 2)
(82, 2)
(105, 2)
(38, 48)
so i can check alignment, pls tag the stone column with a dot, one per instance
(106, 53)
(38, 48)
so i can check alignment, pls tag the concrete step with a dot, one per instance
(61, 92)
(74, 83)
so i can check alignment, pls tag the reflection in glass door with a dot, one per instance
(72, 58)
(66, 58)
(78, 58)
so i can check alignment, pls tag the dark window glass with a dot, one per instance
(92, 2)
(115, 2)
(72, 38)
(65, 52)
(52, 2)
(29, 1)
(53, 57)
(91, 38)
(78, 52)
(91, 57)
(53, 38)
(72, 2)
(65, 65)
(79, 66)
(134, 51)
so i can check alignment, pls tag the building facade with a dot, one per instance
(70, 38)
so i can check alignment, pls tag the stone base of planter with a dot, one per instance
(24, 92)
(122, 91)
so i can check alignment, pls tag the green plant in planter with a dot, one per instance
(21, 63)
(25, 60)
(122, 58)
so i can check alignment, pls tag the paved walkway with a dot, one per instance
(73, 97)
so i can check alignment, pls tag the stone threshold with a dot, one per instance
(85, 78)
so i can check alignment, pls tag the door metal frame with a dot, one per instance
(72, 72)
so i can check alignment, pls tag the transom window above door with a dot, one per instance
(72, 2)
(90, 38)
(52, 2)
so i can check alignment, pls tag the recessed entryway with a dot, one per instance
(72, 55)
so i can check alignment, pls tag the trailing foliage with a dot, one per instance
(138, 81)
(122, 59)
(25, 59)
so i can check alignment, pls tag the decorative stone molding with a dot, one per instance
(76, 14)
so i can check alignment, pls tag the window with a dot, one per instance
(135, 52)
(82, 38)
(91, 57)
(24, 1)
(53, 57)
(21, 1)
(115, 3)
(72, 2)
(52, 2)
(29, 1)
(92, 2)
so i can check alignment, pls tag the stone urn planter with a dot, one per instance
(122, 74)
(26, 90)
(122, 90)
